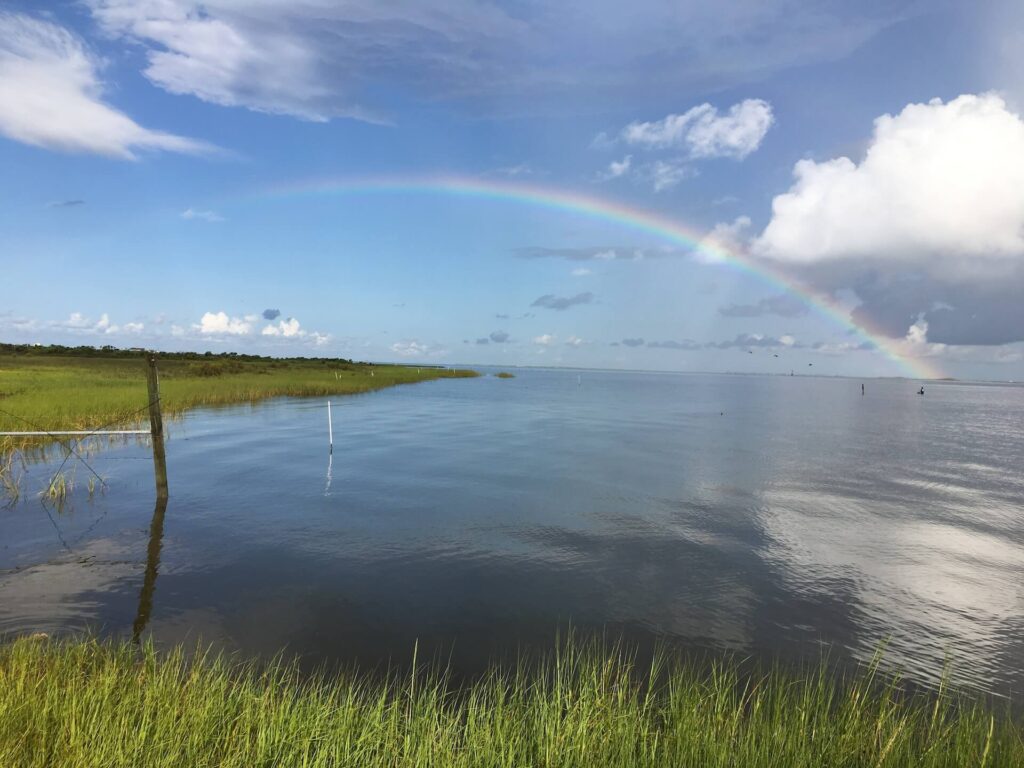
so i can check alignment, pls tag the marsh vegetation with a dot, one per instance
(76, 390)
(586, 704)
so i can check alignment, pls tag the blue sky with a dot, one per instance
(145, 147)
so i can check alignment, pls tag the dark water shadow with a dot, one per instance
(156, 539)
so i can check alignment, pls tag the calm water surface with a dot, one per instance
(767, 515)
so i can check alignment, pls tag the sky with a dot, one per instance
(749, 186)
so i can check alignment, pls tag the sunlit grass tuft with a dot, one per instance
(587, 704)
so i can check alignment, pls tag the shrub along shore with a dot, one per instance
(57, 388)
(85, 703)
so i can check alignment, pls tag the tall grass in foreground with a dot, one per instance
(93, 704)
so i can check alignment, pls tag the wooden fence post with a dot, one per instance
(156, 428)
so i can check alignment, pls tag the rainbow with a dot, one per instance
(626, 216)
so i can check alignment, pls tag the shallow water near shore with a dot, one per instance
(771, 516)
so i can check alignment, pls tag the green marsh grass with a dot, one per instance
(70, 393)
(12, 470)
(58, 488)
(505, 375)
(90, 703)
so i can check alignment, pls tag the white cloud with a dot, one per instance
(724, 236)
(544, 340)
(286, 328)
(219, 323)
(78, 321)
(320, 59)
(581, 272)
(916, 344)
(941, 186)
(617, 168)
(308, 59)
(80, 324)
(575, 341)
(290, 328)
(415, 348)
(209, 216)
(701, 132)
(698, 133)
(51, 96)
(665, 174)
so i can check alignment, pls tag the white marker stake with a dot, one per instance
(330, 428)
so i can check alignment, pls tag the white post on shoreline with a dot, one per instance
(330, 428)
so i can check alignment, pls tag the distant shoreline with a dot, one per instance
(73, 390)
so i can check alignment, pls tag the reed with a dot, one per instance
(74, 703)
(12, 470)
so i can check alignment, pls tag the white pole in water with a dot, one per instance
(330, 428)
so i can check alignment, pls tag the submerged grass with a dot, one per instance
(84, 703)
(69, 393)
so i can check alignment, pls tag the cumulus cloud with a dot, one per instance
(574, 341)
(416, 348)
(941, 185)
(724, 237)
(581, 272)
(207, 216)
(483, 340)
(271, 314)
(290, 328)
(633, 342)
(930, 223)
(81, 324)
(560, 303)
(287, 328)
(783, 305)
(545, 339)
(499, 337)
(220, 324)
(51, 96)
(701, 132)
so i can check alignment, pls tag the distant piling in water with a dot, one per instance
(330, 430)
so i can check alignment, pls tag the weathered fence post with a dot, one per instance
(156, 428)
